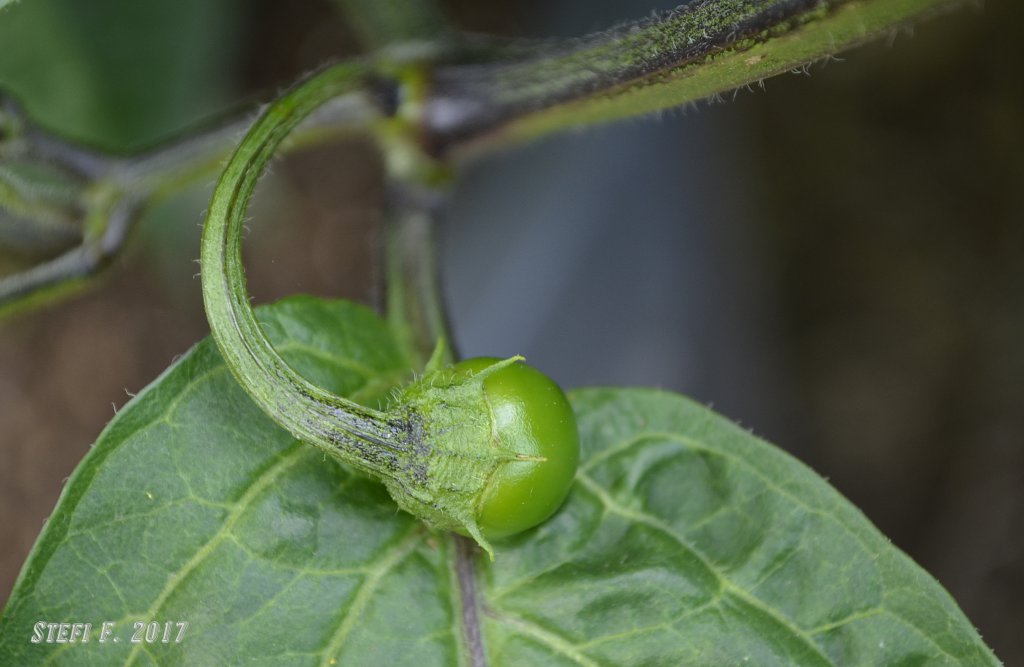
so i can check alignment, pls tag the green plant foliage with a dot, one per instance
(685, 541)
(67, 62)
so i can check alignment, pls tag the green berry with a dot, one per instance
(531, 417)
(492, 448)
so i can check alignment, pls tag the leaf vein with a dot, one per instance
(387, 562)
(550, 639)
(288, 458)
(725, 582)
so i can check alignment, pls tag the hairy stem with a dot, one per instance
(364, 438)
(700, 49)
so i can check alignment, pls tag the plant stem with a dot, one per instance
(128, 187)
(469, 95)
(366, 439)
(415, 306)
(698, 50)
(167, 170)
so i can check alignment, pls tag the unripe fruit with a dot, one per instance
(531, 417)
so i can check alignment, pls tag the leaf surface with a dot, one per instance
(688, 541)
(685, 541)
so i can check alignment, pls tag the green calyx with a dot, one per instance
(494, 448)
(456, 451)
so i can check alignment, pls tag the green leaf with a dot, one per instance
(120, 75)
(688, 541)
(685, 541)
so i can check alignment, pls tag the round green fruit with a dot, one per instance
(530, 416)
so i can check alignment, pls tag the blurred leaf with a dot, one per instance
(685, 541)
(119, 74)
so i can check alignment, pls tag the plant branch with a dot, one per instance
(458, 95)
(700, 49)
(114, 192)
(106, 225)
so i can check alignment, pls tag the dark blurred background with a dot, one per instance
(836, 262)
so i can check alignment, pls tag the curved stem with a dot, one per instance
(367, 439)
